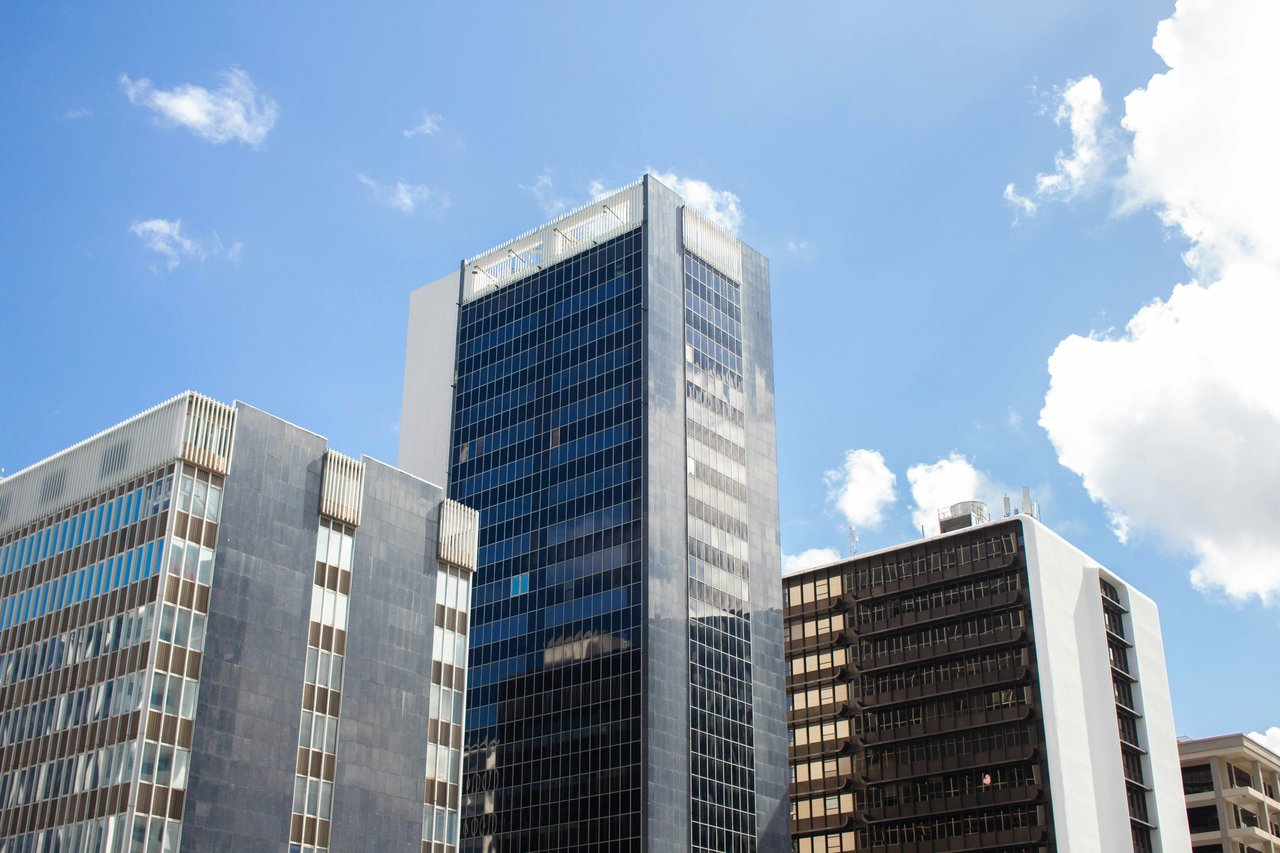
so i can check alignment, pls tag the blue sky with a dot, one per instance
(256, 238)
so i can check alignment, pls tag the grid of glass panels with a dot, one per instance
(77, 608)
(445, 711)
(322, 689)
(547, 446)
(721, 745)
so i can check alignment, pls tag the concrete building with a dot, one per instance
(217, 633)
(991, 688)
(1232, 786)
(613, 423)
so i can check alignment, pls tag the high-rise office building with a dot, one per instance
(217, 633)
(613, 424)
(1232, 786)
(988, 689)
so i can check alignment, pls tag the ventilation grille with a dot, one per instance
(561, 238)
(459, 534)
(712, 244)
(207, 433)
(342, 487)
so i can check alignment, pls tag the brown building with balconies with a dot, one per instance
(963, 692)
(1232, 785)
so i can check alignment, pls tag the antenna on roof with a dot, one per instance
(853, 540)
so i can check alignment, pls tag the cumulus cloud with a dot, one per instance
(430, 124)
(722, 207)
(234, 111)
(1081, 108)
(861, 488)
(1271, 739)
(405, 197)
(165, 237)
(949, 481)
(792, 563)
(1172, 423)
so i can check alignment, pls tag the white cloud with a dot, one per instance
(165, 237)
(405, 197)
(1172, 424)
(1271, 739)
(235, 111)
(77, 113)
(792, 563)
(430, 124)
(597, 190)
(862, 488)
(1093, 148)
(544, 192)
(722, 207)
(946, 482)
(800, 248)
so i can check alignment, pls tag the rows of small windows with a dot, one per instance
(476, 443)
(322, 678)
(938, 828)
(834, 842)
(709, 284)
(714, 403)
(812, 590)
(74, 708)
(113, 834)
(528, 399)
(621, 517)
(820, 626)
(820, 697)
(831, 805)
(985, 742)
(91, 523)
(822, 661)
(954, 552)
(521, 478)
(77, 645)
(720, 500)
(943, 674)
(110, 574)
(927, 601)
(1127, 720)
(719, 539)
(484, 323)
(546, 370)
(722, 521)
(518, 404)
(565, 369)
(719, 579)
(956, 708)
(164, 765)
(713, 325)
(734, 472)
(838, 767)
(826, 731)
(935, 636)
(440, 825)
(703, 472)
(712, 358)
(927, 789)
(567, 495)
(77, 774)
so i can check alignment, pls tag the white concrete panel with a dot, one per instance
(430, 353)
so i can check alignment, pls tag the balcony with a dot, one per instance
(831, 639)
(819, 607)
(1007, 676)
(830, 711)
(1003, 839)
(999, 601)
(962, 722)
(877, 774)
(825, 785)
(842, 674)
(974, 642)
(955, 571)
(826, 823)
(823, 749)
(969, 802)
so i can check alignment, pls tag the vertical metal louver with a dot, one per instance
(342, 487)
(459, 534)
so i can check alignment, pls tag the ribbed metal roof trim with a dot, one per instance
(459, 536)
(342, 487)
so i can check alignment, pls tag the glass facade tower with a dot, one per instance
(613, 425)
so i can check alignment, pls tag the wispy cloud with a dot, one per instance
(543, 190)
(800, 248)
(77, 113)
(166, 238)
(405, 197)
(722, 207)
(430, 124)
(233, 112)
